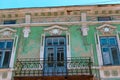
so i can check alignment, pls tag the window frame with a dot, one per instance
(109, 46)
(4, 53)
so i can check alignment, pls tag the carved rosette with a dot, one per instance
(106, 29)
(55, 30)
(7, 33)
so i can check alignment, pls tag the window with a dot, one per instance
(10, 22)
(109, 49)
(107, 18)
(5, 52)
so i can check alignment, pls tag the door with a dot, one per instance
(55, 56)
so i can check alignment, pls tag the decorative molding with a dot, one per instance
(84, 31)
(107, 73)
(106, 29)
(26, 31)
(55, 30)
(7, 33)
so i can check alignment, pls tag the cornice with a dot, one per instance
(60, 23)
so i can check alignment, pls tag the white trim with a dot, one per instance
(7, 29)
(55, 27)
(99, 54)
(42, 47)
(68, 49)
(68, 46)
(118, 40)
(104, 25)
(11, 65)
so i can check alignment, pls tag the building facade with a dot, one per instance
(60, 41)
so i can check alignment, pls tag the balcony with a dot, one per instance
(74, 68)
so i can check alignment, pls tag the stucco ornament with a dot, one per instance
(26, 32)
(55, 30)
(7, 33)
(84, 31)
(106, 29)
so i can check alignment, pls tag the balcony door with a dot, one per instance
(55, 56)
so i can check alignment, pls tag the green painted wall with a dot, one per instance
(30, 47)
(80, 46)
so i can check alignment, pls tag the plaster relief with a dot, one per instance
(26, 31)
(55, 30)
(84, 29)
(7, 33)
(106, 29)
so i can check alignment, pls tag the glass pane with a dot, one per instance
(0, 58)
(50, 57)
(103, 41)
(10, 22)
(9, 44)
(55, 41)
(49, 42)
(61, 42)
(106, 56)
(6, 59)
(107, 18)
(60, 57)
(115, 56)
(112, 41)
(2, 45)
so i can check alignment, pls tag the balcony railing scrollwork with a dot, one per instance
(35, 67)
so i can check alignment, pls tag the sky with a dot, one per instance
(5, 4)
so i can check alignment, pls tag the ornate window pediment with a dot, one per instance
(55, 30)
(7, 32)
(106, 29)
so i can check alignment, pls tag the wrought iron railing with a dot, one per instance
(37, 67)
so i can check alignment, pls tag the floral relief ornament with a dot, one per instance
(106, 29)
(55, 32)
(7, 32)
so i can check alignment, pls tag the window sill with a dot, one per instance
(110, 67)
(5, 69)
